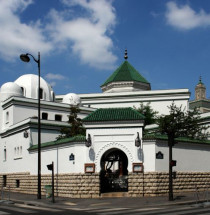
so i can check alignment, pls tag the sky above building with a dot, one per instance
(82, 42)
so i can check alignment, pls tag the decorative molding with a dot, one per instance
(110, 146)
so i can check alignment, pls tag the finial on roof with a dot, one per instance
(126, 54)
(200, 80)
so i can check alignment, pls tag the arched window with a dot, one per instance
(23, 90)
(5, 154)
(7, 116)
(21, 150)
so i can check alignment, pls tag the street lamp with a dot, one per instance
(25, 58)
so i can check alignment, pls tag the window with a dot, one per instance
(41, 93)
(18, 152)
(21, 149)
(5, 154)
(23, 90)
(17, 183)
(58, 117)
(4, 180)
(7, 116)
(53, 96)
(44, 115)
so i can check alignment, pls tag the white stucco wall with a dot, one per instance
(60, 157)
(189, 157)
(158, 99)
(149, 156)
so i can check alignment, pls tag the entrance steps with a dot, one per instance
(114, 194)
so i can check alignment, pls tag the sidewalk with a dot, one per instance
(179, 199)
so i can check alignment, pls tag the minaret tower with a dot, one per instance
(200, 91)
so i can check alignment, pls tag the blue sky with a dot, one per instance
(83, 41)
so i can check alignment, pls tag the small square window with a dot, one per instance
(58, 117)
(44, 116)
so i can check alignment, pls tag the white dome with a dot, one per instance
(29, 83)
(10, 89)
(72, 99)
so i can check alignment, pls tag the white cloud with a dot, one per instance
(51, 76)
(16, 36)
(52, 84)
(185, 18)
(88, 35)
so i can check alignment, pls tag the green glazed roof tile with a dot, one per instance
(179, 139)
(58, 142)
(113, 114)
(125, 72)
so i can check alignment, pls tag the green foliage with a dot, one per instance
(148, 112)
(76, 125)
(181, 123)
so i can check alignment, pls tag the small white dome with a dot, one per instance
(29, 84)
(72, 99)
(10, 89)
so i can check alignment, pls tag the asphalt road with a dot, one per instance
(17, 209)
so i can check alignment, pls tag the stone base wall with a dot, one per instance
(88, 185)
(156, 183)
(66, 185)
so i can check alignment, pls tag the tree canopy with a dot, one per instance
(75, 123)
(181, 123)
(148, 112)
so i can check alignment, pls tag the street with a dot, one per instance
(103, 209)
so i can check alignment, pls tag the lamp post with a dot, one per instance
(25, 58)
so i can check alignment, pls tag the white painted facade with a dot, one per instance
(18, 114)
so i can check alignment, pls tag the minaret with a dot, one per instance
(200, 91)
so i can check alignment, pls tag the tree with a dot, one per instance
(76, 125)
(180, 123)
(148, 112)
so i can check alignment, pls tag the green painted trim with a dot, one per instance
(59, 142)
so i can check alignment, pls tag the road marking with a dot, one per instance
(11, 208)
(192, 210)
(114, 211)
(3, 213)
(39, 208)
(70, 203)
(105, 209)
(99, 204)
(167, 211)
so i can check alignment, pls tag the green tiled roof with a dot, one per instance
(179, 139)
(125, 72)
(58, 142)
(113, 114)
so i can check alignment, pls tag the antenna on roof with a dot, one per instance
(126, 54)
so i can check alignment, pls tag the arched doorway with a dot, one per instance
(114, 173)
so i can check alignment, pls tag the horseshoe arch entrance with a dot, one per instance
(114, 171)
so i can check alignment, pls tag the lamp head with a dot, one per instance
(25, 58)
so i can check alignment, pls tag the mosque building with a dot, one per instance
(115, 157)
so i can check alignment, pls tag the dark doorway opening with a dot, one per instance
(114, 173)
